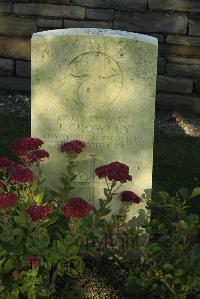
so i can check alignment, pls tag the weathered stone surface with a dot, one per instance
(183, 40)
(171, 101)
(194, 16)
(14, 83)
(183, 70)
(194, 27)
(159, 36)
(179, 85)
(174, 50)
(6, 67)
(117, 4)
(49, 23)
(40, 29)
(15, 47)
(6, 64)
(100, 89)
(161, 65)
(197, 86)
(87, 24)
(4, 73)
(22, 1)
(181, 60)
(23, 69)
(5, 7)
(54, 1)
(151, 22)
(196, 106)
(176, 5)
(50, 10)
(15, 26)
(99, 14)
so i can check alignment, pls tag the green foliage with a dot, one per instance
(158, 257)
(59, 243)
(169, 264)
(195, 192)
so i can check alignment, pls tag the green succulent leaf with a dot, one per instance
(195, 192)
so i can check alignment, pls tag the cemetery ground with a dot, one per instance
(176, 164)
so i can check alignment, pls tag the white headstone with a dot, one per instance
(98, 86)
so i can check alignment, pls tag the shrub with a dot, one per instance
(168, 266)
(46, 235)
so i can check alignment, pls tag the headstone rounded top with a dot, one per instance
(96, 31)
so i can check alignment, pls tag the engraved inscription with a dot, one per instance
(96, 79)
(101, 133)
(114, 134)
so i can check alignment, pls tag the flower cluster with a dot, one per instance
(38, 155)
(114, 171)
(77, 208)
(33, 261)
(73, 147)
(38, 212)
(5, 164)
(7, 200)
(129, 196)
(24, 145)
(28, 150)
(21, 175)
(22, 189)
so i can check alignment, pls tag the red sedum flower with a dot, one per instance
(6, 164)
(22, 146)
(73, 147)
(77, 208)
(7, 200)
(38, 212)
(21, 175)
(33, 261)
(129, 196)
(37, 155)
(114, 171)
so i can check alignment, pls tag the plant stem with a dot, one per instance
(160, 276)
(117, 188)
(54, 276)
